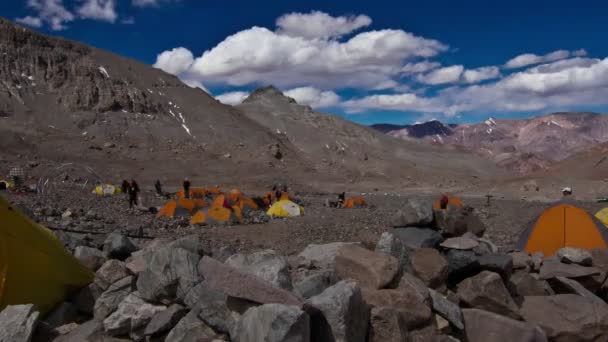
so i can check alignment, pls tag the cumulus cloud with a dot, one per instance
(104, 10)
(531, 59)
(320, 25)
(480, 74)
(399, 102)
(314, 97)
(232, 98)
(444, 75)
(368, 60)
(30, 21)
(176, 61)
(419, 67)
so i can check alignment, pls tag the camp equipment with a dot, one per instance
(285, 208)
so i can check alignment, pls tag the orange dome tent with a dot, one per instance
(197, 193)
(452, 201)
(354, 202)
(218, 213)
(563, 225)
(234, 196)
(181, 208)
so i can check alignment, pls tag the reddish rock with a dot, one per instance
(370, 269)
(485, 326)
(414, 312)
(486, 291)
(430, 266)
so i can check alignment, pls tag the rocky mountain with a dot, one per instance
(526, 145)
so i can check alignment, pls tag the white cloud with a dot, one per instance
(104, 10)
(531, 59)
(481, 74)
(145, 3)
(176, 61)
(52, 12)
(444, 75)
(128, 21)
(368, 60)
(320, 25)
(30, 21)
(419, 67)
(314, 97)
(232, 98)
(400, 102)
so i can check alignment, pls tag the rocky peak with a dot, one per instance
(268, 94)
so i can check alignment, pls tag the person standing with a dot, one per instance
(159, 188)
(133, 192)
(186, 188)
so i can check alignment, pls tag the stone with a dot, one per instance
(321, 256)
(485, 247)
(537, 261)
(461, 243)
(390, 244)
(487, 291)
(202, 292)
(344, 315)
(313, 284)
(461, 265)
(415, 213)
(88, 331)
(171, 273)
(600, 258)
(190, 329)
(414, 238)
(450, 221)
(564, 285)
(110, 299)
(243, 285)
(92, 258)
(474, 224)
(266, 265)
(223, 253)
(525, 284)
(570, 255)
(415, 313)
(448, 310)
(485, 326)
(442, 324)
(430, 267)
(84, 300)
(164, 321)
(110, 272)
(217, 315)
(567, 317)
(274, 323)
(370, 269)
(63, 314)
(117, 246)
(521, 260)
(499, 263)
(133, 314)
(18, 322)
(387, 325)
(191, 243)
(71, 240)
(410, 284)
(551, 269)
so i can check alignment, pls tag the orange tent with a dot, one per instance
(181, 208)
(234, 196)
(563, 225)
(452, 201)
(354, 202)
(194, 193)
(218, 213)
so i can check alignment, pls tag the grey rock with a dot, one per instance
(265, 264)
(552, 268)
(416, 213)
(537, 261)
(344, 313)
(131, 317)
(564, 285)
(461, 265)
(164, 321)
(499, 263)
(462, 243)
(202, 292)
(321, 256)
(450, 311)
(218, 316)
(85, 298)
(18, 322)
(117, 246)
(485, 326)
(430, 266)
(387, 325)
(521, 260)
(191, 243)
(110, 299)
(415, 313)
(222, 254)
(569, 255)
(313, 284)
(190, 329)
(414, 238)
(110, 272)
(450, 221)
(486, 291)
(88, 331)
(274, 323)
(92, 258)
(71, 240)
(390, 244)
(65, 313)
(525, 284)
(411, 284)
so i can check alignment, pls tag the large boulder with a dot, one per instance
(563, 285)
(164, 321)
(92, 258)
(600, 258)
(570, 255)
(414, 238)
(218, 315)
(415, 213)
(487, 291)
(109, 273)
(117, 246)
(411, 284)
(63, 314)
(415, 313)
(390, 244)
(191, 328)
(430, 266)
(191, 243)
(243, 285)
(448, 310)
(450, 221)
(344, 315)
(321, 256)
(567, 317)
(85, 298)
(387, 325)
(370, 269)
(109, 300)
(524, 284)
(485, 326)
(266, 265)
(499, 263)
(170, 273)
(522, 260)
(88, 331)
(274, 323)
(461, 265)
(18, 322)
(553, 268)
(131, 317)
(314, 284)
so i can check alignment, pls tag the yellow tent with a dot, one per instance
(106, 190)
(4, 184)
(285, 208)
(34, 266)
(602, 215)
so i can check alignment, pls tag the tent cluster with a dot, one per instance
(106, 190)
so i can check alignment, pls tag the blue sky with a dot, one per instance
(368, 61)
